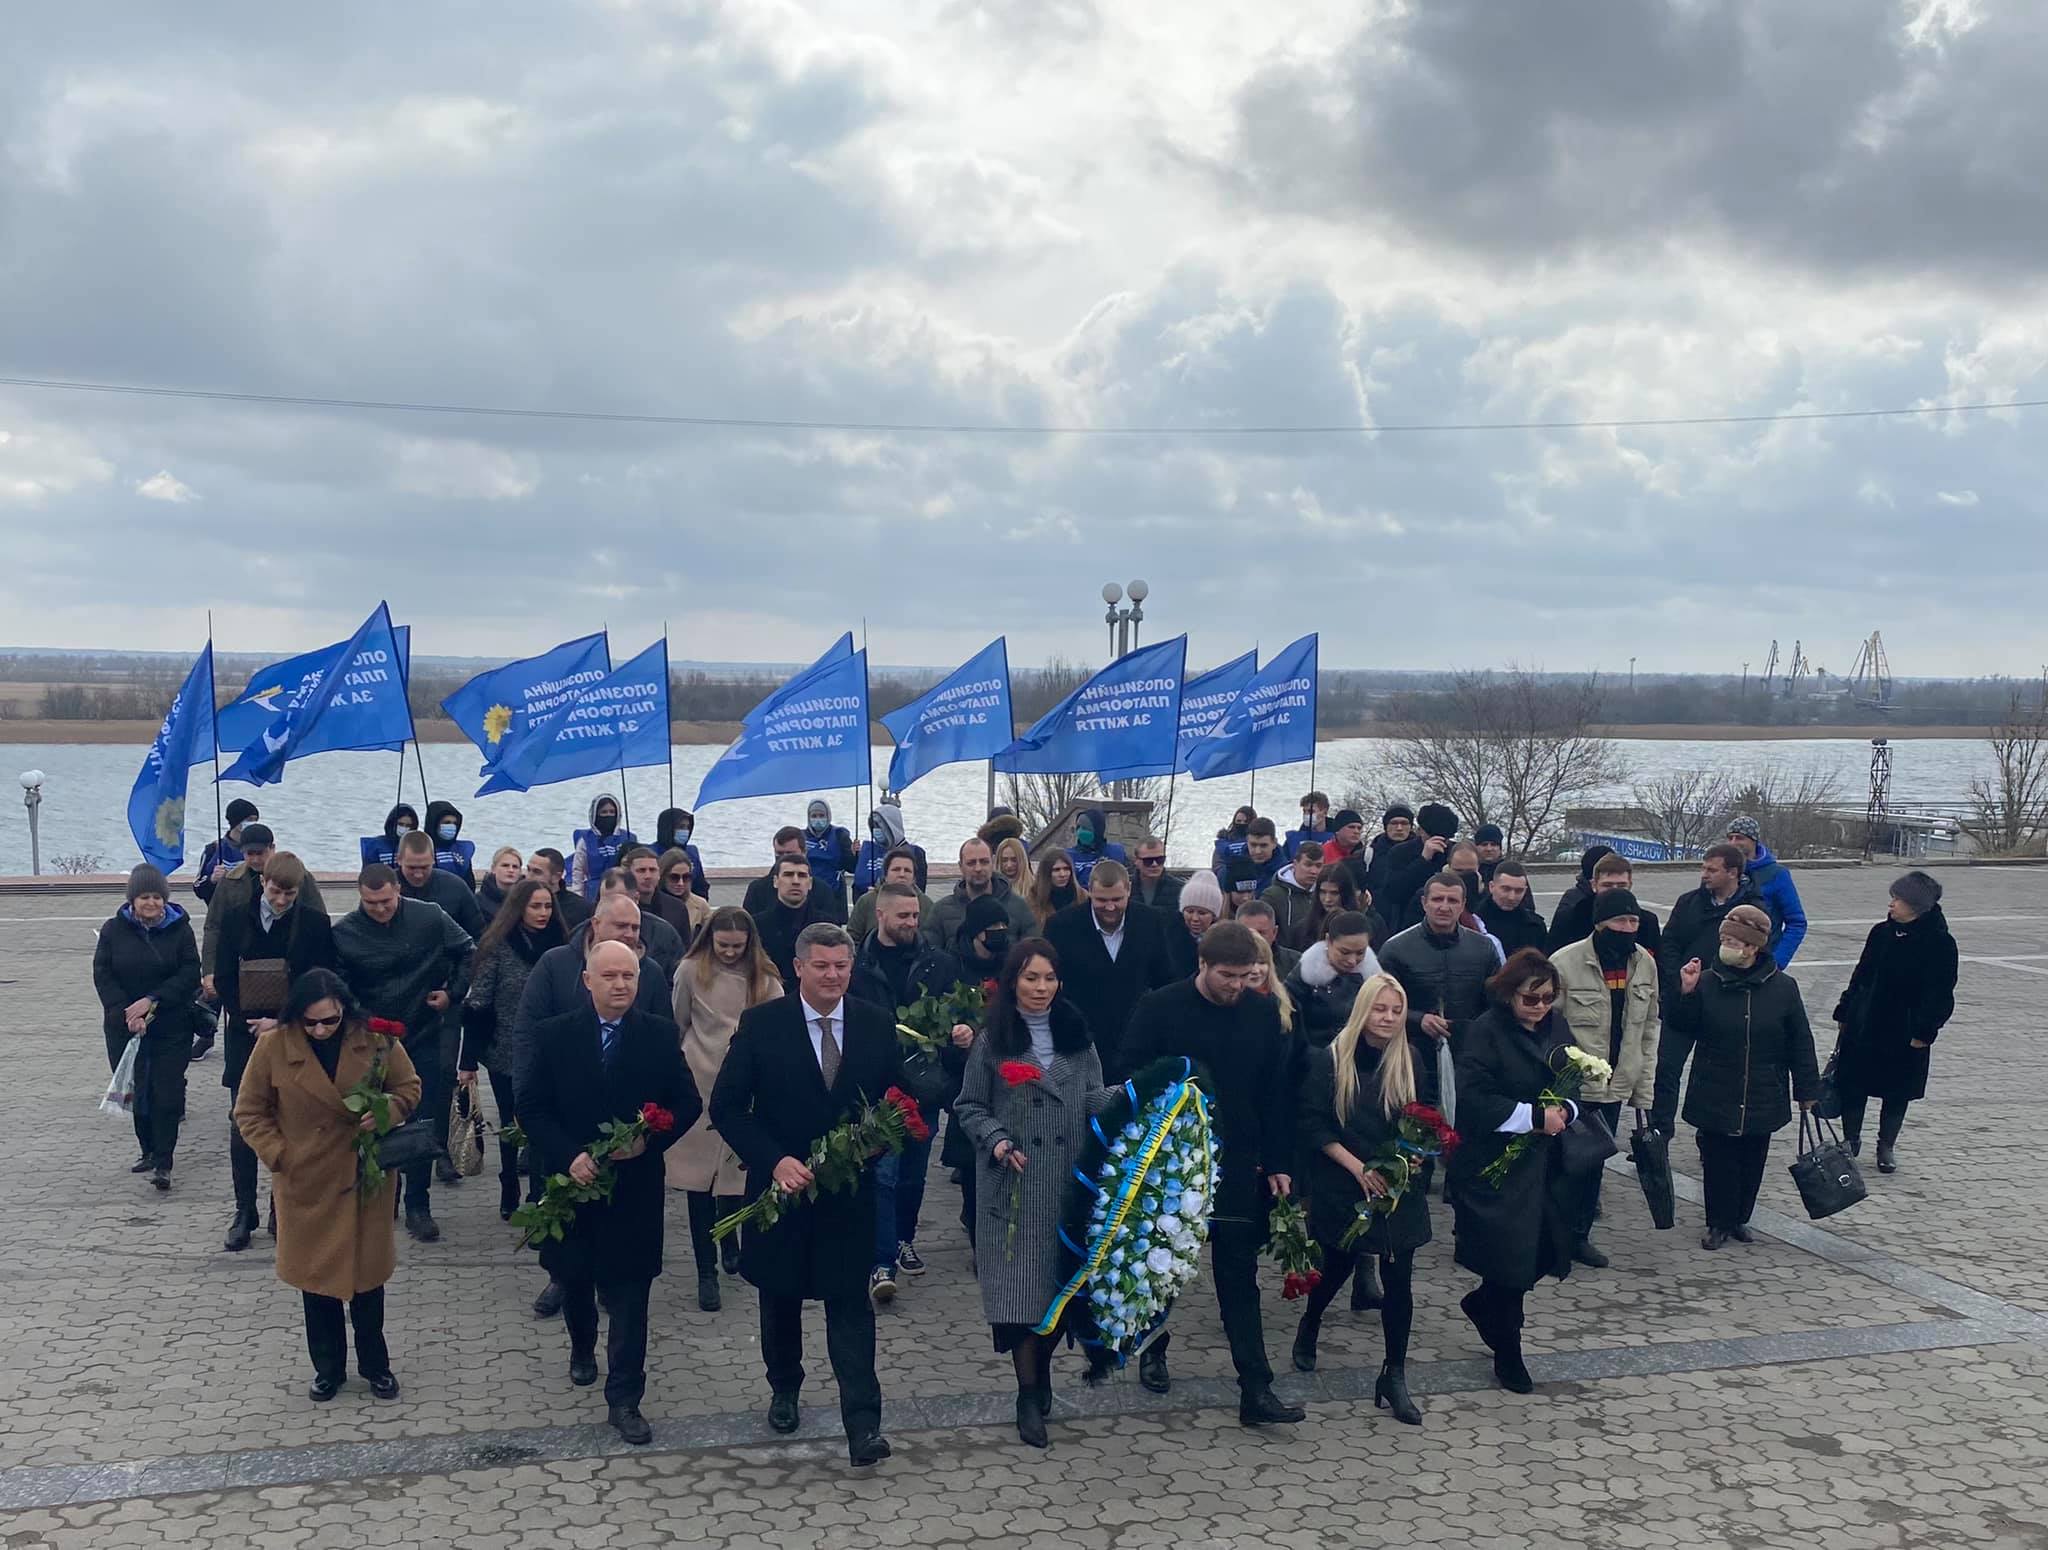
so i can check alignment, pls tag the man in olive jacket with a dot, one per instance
(1610, 1004)
(236, 887)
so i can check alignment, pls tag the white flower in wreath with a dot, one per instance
(1191, 1203)
(1159, 1261)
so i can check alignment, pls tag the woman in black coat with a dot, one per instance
(1903, 991)
(145, 969)
(1744, 1024)
(1514, 1233)
(1351, 1100)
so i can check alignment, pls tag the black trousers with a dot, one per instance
(849, 1345)
(1589, 1199)
(1499, 1307)
(1397, 1305)
(1731, 1172)
(625, 1340)
(1234, 1259)
(1891, 1117)
(159, 1089)
(433, 1056)
(327, 1334)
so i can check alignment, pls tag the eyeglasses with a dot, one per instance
(1546, 998)
(321, 1022)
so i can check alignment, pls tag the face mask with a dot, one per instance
(996, 942)
(1085, 838)
(683, 835)
(818, 824)
(604, 823)
(1737, 957)
(879, 835)
(447, 831)
(1613, 947)
(403, 827)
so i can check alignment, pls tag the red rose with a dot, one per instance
(914, 1126)
(387, 1027)
(989, 988)
(1019, 1073)
(657, 1119)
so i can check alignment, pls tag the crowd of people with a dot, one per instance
(1322, 982)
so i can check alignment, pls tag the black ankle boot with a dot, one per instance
(241, 1229)
(1305, 1339)
(1365, 1284)
(1030, 1419)
(1390, 1392)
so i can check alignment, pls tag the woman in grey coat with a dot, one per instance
(1033, 1081)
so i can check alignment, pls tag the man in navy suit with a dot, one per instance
(578, 1071)
(798, 1067)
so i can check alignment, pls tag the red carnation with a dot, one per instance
(657, 1119)
(1019, 1073)
(388, 1027)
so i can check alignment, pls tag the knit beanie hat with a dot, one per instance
(1202, 892)
(982, 913)
(1489, 834)
(1747, 924)
(147, 879)
(1616, 901)
(1345, 817)
(1589, 858)
(1917, 891)
(239, 811)
(1397, 810)
(1437, 820)
(1748, 828)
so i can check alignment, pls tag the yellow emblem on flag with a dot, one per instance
(170, 823)
(497, 721)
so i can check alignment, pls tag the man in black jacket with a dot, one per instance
(1612, 873)
(798, 1067)
(1110, 955)
(419, 878)
(788, 843)
(658, 939)
(1444, 968)
(794, 907)
(1694, 930)
(893, 968)
(1505, 910)
(1237, 1039)
(547, 867)
(580, 1071)
(1157, 889)
(407, 960)
(1580, 890)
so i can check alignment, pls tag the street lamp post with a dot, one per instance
(32, 799)
(1123, 632)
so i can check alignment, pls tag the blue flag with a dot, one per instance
(156, 807)
(1273, 722)
(965, 717)
(285, 685)
(496, 709)
(618, 723)
(1209, 699)
(809, 735)
(1125, 719)
(359, 702)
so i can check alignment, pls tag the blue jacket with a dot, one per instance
(591, 855)
(1290, 845)
(220, 857)
(832, 856)
(1781, 899)
(1084, 861)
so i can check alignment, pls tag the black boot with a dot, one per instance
(1305, 1341)
(241, 1229)
(1030, 1419)
(142, 1164)
(1365, 1285)
(1043, 1367)
(1152, 1371)
(1584, 1252)
(1473, 1305)
(1390, 1392)
(1888, 1127)
(508, 1181)
(729, 1250)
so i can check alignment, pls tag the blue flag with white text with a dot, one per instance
(358, 702)
(618, 723)
(283, 685)
(965, 717)
(156, 807)
(809, 735)
(496, 709)
(1273, 722)
(1125, 719)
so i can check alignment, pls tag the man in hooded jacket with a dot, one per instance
(596, 850)
(832, 855)
(382, 849)
(885, 833)
(1774, 887)
(452, 853)
(1091, 844)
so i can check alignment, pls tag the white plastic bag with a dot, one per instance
(1447, 1081)
(120, 1098)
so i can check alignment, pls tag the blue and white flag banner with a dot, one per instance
(496, 709)
(618, 723)
(1125, 719)
(967, 716)
(358, 702)
(1273, 721)
(809, 735)
(286, 685)
(156, 807)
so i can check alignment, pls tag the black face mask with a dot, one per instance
(1613, 948)
(995, 943)
(605, 822)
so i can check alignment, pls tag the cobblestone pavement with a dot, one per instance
(1878, 1381)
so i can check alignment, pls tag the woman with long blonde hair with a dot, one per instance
(1351, 1102)
(1270, 983)
(1013, 866)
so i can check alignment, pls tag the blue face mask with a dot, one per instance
(447, 831)
(818, 825)
(683, 835)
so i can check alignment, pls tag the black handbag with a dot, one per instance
(1829, 1104)
(1650, 1150)
(1585, 1144)
(1824, 1171)
(408, 1145)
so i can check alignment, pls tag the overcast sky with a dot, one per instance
(1025, 212)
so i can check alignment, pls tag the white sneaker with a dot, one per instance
(882, 1287)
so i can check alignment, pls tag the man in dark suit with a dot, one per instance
(798, 1067)
(1110, 955)
(579, 1071)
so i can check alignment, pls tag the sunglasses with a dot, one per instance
(1546, 998)
(321, 1022)
(1151, 861)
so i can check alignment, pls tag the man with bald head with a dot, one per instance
(604, 1062)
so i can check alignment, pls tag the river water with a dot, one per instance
(326, 801)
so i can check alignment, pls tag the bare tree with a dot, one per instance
(2009, 808)
(1680, 810)
(1512, 748)
(1801, 814)
(1039, 799)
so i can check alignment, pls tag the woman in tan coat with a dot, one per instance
(334, 1242)
(725, 972)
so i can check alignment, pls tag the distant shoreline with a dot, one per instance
(719, 733)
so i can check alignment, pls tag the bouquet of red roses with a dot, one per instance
(837, 1160)
(1016, 1073)
(1420, 1134)
(548, 1218)
(1299, 1256)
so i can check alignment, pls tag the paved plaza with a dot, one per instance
(1879, 1379)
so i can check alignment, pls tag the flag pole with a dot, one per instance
(220, 828)
(401, 774)
(419, 761)
(668, 731)
(1171, 777)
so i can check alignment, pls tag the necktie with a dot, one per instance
(828, 1052)
(608, 1039)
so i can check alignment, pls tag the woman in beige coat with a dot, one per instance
(725, 972)
(334, 1241)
